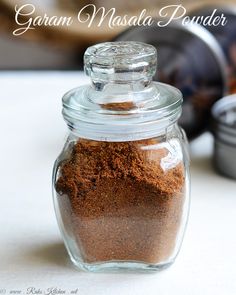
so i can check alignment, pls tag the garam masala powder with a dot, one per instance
(121, 181)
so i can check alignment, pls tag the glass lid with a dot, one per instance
(122, 102)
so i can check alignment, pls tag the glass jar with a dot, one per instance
(121, 182)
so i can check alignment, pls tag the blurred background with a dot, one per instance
(199, 60)
(55, 48)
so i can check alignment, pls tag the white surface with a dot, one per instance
(31, 250)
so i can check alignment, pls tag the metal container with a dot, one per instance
(190, 59)
(224, 130)
(225, 35)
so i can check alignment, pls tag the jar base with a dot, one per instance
(121, 266)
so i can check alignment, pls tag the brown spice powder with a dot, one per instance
(119, 203)
(119, 106)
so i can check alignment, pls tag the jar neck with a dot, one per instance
(131, 84)
(116, 114)
(138, 92)
(117, 136)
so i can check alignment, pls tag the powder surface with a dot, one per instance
(118, 203)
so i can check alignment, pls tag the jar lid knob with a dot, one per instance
(117, 61)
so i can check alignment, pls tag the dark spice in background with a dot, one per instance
(119, 202)
(225, 35)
